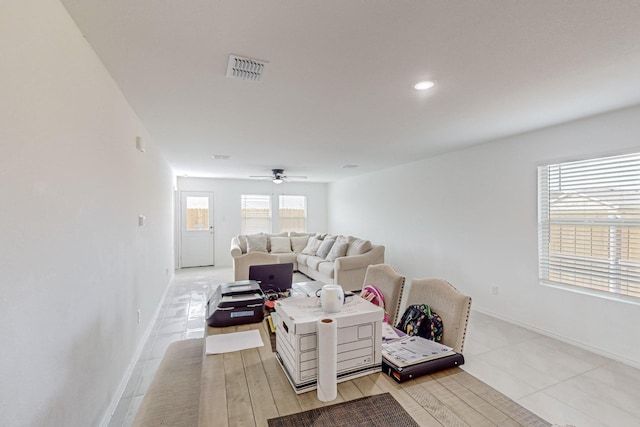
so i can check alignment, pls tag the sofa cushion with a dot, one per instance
(280, 245)
(338, 250)
(298, 243)
(314, 261)
(325, 247)
(269, 236)
(359, 247)
(302, 259)
(326, 269)
(312, 246)
(256, 243)
(286, 258)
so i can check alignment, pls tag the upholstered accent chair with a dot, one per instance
(452, 306)
(387, 280)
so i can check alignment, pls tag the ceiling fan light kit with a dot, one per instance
(277, 176)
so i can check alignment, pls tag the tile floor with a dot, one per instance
(559, 382)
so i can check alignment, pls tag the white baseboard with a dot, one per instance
(106, 419)
(567, 340)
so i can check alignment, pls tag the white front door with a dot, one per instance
(196, 235)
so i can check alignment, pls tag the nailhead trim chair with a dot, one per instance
(452, 306)
(387, 280)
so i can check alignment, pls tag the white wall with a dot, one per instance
(226, 206)
(75, 267)
(471, 217)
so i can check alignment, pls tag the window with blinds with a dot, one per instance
(255, 214)
(589, 225)
(292, 213)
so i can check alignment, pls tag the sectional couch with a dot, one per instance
(331, 259)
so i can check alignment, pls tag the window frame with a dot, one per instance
(588, 219)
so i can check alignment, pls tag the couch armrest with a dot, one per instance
(354, 262)
(236, 251)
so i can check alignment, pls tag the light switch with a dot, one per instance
(141, 220)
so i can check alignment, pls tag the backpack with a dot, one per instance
(418, 319)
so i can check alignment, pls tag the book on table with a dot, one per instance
(412, 350)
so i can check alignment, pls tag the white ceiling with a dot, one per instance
(338, 86)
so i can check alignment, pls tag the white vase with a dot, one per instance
(331, 298)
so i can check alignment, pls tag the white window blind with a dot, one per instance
(589, 224)
(255, 214)
(292, 213)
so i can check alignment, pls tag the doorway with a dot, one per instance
(196, 229)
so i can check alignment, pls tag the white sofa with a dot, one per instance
(330, 259)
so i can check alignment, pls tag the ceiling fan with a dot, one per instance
(277, 176)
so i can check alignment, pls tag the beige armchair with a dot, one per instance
(390, 284)
(452, 306)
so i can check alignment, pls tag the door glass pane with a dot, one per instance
(197, 213)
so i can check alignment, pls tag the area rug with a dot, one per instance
(379, 410)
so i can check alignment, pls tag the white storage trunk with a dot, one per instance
(359, 339)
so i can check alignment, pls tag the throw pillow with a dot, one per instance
(256, 243)
(312, 246)
(325, 247)
(242, 240)
(298, 243)
(359, 247)
(339, 249)
(280, 245)
(270, 236)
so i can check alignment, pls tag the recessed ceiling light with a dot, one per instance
(424, 85)
(220, 157)
(349, 166)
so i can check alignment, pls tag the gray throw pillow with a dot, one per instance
(325, 247)
(339, 249)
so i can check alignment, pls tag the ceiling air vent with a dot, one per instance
(245, 68)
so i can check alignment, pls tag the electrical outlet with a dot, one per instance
(139, 315)
(494, 290)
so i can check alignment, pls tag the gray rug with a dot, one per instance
(379, 410)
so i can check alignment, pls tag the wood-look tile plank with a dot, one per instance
(367, 386)
(349, 391)
(262, 402)
(475, 401)
(433, 405)
(417, 412)
(213, 393)
(240, 410)
(456, 404)
(507, 406)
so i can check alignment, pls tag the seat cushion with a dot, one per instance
(314, 261)
(326, 269)
(302, 259)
